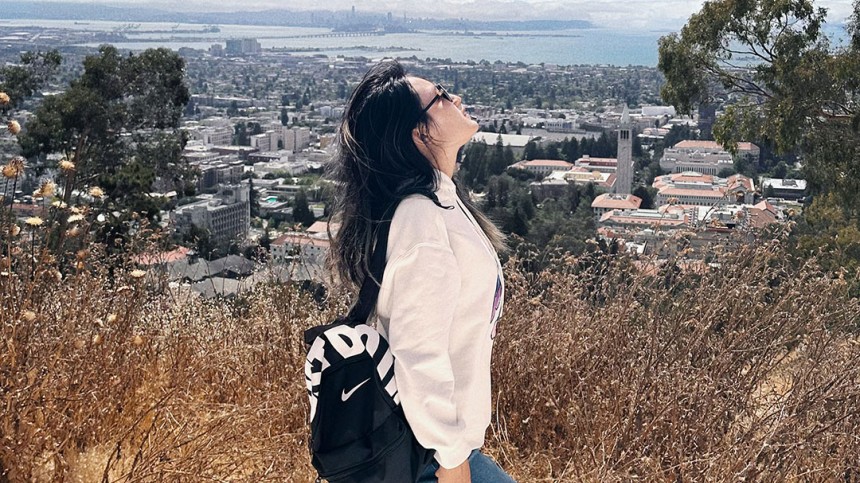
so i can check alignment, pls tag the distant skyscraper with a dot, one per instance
(624, 173)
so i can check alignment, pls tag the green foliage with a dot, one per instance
(793, 81)
(301, 211)
(796, 92)
(119, 124)
(647, 196)
(562, 224)
(481, 162)
(254, 197)
(22, 81)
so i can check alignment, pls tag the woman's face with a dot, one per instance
(449, 127)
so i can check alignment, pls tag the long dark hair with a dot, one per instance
(377, 164)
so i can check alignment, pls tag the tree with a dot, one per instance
(645, 194)
(285, 116)
(266, 240)
(240, 135)
(800, 95)
(233, 109)
(22, 81)
(118, 123)
(301, 211)
(255, 198)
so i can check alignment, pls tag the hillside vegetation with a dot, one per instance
(603, 372)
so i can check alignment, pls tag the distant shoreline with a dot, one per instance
(275, 17)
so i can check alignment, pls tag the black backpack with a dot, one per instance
(358, 430)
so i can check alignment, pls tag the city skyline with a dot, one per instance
(638, 14)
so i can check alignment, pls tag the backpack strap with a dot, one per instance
(369, 292)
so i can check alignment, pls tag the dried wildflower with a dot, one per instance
(9, 171)
(74, 218)
(80, 265)
(14, 230)
(74, 231)
(96, 192)
(137, 273)
(48, 188)
(29, 315)
(79, 344)
(59, 204)
(111, 318)
(4, 99)
(137, 340)
(34, 221)
(14, 127)
(97, 339)
(82, 254)
(66, 165)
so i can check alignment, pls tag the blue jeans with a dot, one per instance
(483, 469)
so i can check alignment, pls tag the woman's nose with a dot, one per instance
(457, 100)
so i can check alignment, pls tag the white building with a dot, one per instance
(296, 139)
(788, 189)
(602, 165)
(225, 216)
(218, 136)
(694, 188)
(615, 201)
(265, 142)
(517, 142)
(311, 248)
(706, 157)
(561, 125)
(242, 46)
(543, 167)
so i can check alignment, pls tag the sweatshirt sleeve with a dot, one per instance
(424, 284)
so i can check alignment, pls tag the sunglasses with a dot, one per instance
(443, 94)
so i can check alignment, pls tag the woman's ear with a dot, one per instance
(418, 136)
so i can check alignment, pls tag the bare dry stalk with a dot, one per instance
(604, 370)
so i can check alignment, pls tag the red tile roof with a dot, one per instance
(612, 202)
(162, 257)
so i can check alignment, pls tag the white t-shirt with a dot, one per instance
(440, 300)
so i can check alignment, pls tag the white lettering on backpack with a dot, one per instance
(346, 342)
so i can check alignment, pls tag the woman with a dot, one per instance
(442, 290)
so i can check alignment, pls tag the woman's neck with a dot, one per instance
(443, 159)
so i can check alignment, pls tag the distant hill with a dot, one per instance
(317, 18)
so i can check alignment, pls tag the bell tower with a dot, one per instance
(624, 171)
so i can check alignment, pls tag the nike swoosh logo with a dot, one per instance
(347, 394)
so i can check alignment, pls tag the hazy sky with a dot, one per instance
(640, 14)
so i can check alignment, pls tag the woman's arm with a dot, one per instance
(460, 474)
(422, 287)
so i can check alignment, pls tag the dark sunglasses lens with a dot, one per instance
(443, 93)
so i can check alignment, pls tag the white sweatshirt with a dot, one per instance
(439, 303)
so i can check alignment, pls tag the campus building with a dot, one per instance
(225, 216)
(694, 188)
(706, 157)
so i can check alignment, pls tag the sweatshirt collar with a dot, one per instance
(444, 183)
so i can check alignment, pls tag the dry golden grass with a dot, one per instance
(748, 372)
